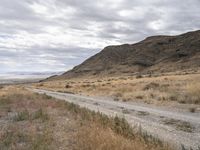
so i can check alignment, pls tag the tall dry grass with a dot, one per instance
(94, 136)
(162, 90)
(193, 90)
(41, 122)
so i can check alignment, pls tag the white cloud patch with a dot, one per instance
(58, 34)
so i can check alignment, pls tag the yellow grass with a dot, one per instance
(167, 89)
(38, 122)
(98, 138)
(193, 90)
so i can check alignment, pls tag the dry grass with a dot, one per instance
(167, 89)
(39, 122)
(96, 137)
(97, 131)
(29, 121)
(193, 90)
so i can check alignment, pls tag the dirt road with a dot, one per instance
(176, 127)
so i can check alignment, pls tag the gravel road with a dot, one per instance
(175, 127)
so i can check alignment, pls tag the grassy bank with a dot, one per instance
(159, 90)
(38, 122)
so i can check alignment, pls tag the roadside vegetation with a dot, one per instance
(39, 122)
(160, 89)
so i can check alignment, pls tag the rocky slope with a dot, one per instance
(154, 54)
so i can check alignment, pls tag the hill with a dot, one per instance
(152, 55)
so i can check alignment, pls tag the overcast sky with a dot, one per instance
(55, 35)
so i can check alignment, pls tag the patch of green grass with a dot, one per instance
(25, 115)
(21, 116)
(40, 114)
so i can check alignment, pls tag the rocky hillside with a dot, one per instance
(154, 54)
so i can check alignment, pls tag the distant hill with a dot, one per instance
(154, 54)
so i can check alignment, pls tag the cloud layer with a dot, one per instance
(38, 35)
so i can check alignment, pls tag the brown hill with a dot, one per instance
(154, 54)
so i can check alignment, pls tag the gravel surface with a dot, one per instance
(174, 127)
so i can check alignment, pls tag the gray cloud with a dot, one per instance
(58, 34)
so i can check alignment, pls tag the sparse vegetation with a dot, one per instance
(21, 116)
(40, 114)
(39, 123)
(161, 89)
(125, 111)
(179, 125)
(117, 132)
(192, 110)
(1, 87)
(138, 76)
(151, 85)
(193, 90)
(68, 86)
(142, 113)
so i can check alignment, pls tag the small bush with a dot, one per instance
(21, 116)
(40, 114)
(85, 85)
(41, 84)
(173, 97)
(126, 99)
(118, 94)
(25, 115)
(46, 96)
(139, 76)
(68, 86)
(151, 85)
(116, 99)
(192, 110)
(139, 97)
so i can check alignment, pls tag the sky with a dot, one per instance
(56, 35)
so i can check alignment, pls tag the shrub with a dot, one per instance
(68, 86)
(151, 85)
(192, 110)
(21, 116)
(40, 114)
(41, 84)
(25, 115)
(45, 96)
(138, 76)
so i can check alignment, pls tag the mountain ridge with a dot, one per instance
(154, 54)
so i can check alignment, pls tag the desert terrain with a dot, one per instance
(161, 104)
(134, 96)
(169, 89)
(38, 121)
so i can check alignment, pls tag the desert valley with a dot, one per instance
(99, 75)
(140, 99)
